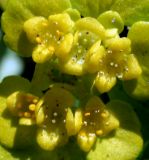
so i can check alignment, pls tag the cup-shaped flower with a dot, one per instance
(97, 121)
(16, 119)
(51, 115)
(111, 61)
(50, 36)
(23, 105)
(88, 32)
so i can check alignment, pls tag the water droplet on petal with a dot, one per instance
(111, 64)
(109, 51)
(113, 20)
(55, 114)
(119, 75)
(115, 65)
(53, 121)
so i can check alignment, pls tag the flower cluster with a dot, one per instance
(57, 121)
(62, 112)
(85, 46)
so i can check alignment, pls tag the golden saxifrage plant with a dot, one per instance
(80, 55)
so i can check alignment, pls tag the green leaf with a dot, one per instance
(91, 7)
(3, 4)
(13, 83)
(33, 154)
(123, 144)
(138, 34)
(18, 11)
(132, 10)
(111, 19)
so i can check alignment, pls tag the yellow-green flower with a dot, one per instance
(111, 61)
(17, 113)
(51, 115)
(97, 121)
(52, 36)
(87, 32)
(23, 105)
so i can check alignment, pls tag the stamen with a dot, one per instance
(35, 100)
(111, 64)
(97, 111)
(92, 134)
(38, 40)
(55, 114)
(85, 40)
(51, 35)
(116, 65)
(32, 107)
(104, 114)
(53, 121)
(87, 114)
(51, 49)
(92, 123)
(113, 20)
(99, 132)
(107, 123)
(58, 32)
(85, 123)
(27, 114)
(55, 23)
(109, 51)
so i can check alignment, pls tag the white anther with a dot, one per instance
(101, 73)
(107, 123)
(79, 51)
(126, 69)
(85, 123)
(119, 75)
(53, 121)
(116, 65)
(85, 40)
(111, 64)
(109, 51)
(55, 114)
(113, 20)
(97, 111)
(51, 36)
(56, 23)
(58, 42)
(80, 34)
(92, 123)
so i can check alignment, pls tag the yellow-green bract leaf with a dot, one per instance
(33, 154)
(3, 4)
(13, 83)
(111, 19)
(123, 144)
(91, 7)
(139, 36)
(18, 11)
(73, 13)
(132, 10)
